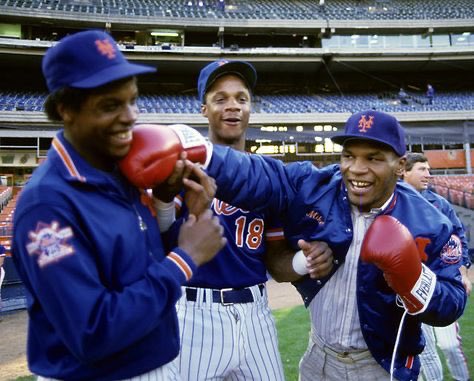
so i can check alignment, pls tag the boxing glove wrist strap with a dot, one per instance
(299, 263)
(165, 213)
(189, 137)
(416, 301)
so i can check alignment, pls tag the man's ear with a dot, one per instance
(204, 110)
(400, 171)
(64, 112)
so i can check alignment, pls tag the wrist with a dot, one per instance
(165, 213)
(299, 263)
(163, 205)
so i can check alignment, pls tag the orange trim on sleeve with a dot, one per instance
(181, 263)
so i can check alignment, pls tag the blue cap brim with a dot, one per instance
(112, 73)
(341, 139)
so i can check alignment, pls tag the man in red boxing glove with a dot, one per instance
(395, 255)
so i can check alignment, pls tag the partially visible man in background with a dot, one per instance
(417, 174)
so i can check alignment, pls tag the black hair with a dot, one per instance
(73, 98)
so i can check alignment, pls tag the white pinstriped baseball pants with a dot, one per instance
(167, 372)
(228, 342)
(449, 341)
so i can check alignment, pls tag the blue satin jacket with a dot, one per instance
(101, 291)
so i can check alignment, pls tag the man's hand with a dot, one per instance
(319, 258)
(202, 237)
(279, 260)
(200, 189)
(167, 190)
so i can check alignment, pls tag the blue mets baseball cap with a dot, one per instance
(87, 60)
(377, 126)
(218, 68)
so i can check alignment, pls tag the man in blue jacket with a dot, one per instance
(417, 174)
(101, 290)
(396, 260)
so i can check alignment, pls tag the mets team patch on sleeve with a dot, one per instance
(452, 250)
(49, 243)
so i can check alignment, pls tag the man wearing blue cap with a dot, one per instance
(396, 261)
(101, 290)
(227, 328)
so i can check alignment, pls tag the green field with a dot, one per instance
(293, 329)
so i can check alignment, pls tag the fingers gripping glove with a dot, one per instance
(156, 148)
(389, 245)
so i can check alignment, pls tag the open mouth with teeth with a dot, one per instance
(359, 188)
(122, 139)
(360, 184)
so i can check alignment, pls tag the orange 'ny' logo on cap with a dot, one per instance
(365, 124)
(105, 48)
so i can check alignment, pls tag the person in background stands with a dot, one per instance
(403, 96)
(430, 93)
(417, 174)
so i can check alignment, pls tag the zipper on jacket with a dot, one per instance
(141, 223)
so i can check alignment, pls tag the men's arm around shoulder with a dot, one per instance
(257, 182)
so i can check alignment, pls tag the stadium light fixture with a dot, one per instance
(164, 33)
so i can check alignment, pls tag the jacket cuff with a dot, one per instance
(182, 263)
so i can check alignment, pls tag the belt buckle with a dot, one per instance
(221, 291)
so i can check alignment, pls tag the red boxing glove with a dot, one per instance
(389, 245)
(155, 150)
